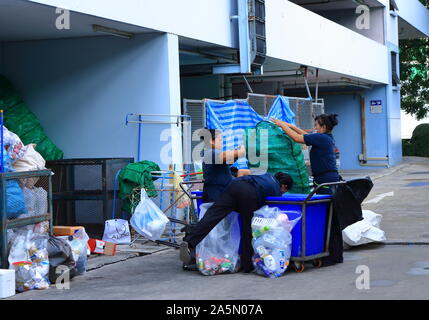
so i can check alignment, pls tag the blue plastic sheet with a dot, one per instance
(282, 111)
(15, 203)
(232, 117)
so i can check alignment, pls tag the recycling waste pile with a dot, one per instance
(272, 241)
(35, 256)
(219, 251)
(33, 253)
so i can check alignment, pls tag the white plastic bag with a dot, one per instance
(30, 161)
(148, 220)
(29, 258)
(218, 252)
(36, 201)
(79, 244)
(365, 231)
(16, 149)
(117, 231)
(272, 241)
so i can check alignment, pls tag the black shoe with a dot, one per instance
(188, 228)
(190, 267)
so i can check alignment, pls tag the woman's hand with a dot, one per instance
(279, 123)
(290, 130)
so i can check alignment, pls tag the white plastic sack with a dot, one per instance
(272, 241)
(29, 258)
(117, 231)
(31, 161)
(36, 201)
(79, 245)
(15, 147)
(365, 231)
(148, 220)
(218, 252)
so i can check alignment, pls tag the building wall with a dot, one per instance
(204, 20)
(298, 35)
(347, 18)
(393, 97)
(415, 13)
(348, 133)
(81, 90)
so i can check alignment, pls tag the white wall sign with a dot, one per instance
(376, 106)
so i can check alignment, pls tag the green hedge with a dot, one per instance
(407, 148)
(418, 145)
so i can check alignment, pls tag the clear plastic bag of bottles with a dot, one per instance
(272, 240)
(219, 251)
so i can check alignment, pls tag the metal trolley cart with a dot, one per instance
(311, 234)
(186, 186)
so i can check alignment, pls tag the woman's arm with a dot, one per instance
(295, 136)
(232, 155)
(296, 129)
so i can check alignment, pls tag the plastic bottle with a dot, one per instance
(276, 239)
(262, 268)
(269, 261)
(280, 260)
(259, 232)
(200, 264)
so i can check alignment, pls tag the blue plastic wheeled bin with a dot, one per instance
(310, 237)
(198, 196)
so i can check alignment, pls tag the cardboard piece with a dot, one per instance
(102, 247)
(110, 249)
(65, 230)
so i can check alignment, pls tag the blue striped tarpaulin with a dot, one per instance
(234, 116)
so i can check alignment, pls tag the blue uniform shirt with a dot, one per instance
(322, 157)
(217, 175)
(265, 184)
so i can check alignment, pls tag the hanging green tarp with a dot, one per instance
(282, 152)
(133, 176)
(20, 120)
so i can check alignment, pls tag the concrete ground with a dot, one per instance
(398, 268)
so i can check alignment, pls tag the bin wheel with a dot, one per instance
(298, 267)
(317, 263)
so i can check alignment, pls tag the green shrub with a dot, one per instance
(407, 148)
(420, 140)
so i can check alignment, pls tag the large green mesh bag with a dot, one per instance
(20, 120)
(282, 152)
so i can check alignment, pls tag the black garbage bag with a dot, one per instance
(361, 188)
(60, 254)
(347, 200)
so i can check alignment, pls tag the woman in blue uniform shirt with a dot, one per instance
(217, 165)
(324, 169)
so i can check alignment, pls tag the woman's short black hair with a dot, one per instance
(213, 133)
(328, 120)
(284, 179)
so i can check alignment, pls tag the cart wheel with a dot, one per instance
(317, 263)
(298, 267)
